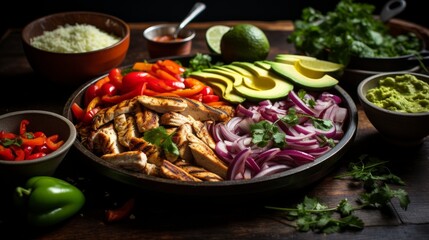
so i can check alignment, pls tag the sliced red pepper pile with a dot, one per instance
(162, 78)
(27, 145)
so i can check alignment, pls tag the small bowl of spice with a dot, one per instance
(70, 48)
(161, 43)
(397, 105)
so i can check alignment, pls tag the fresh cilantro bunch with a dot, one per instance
(375, 178)
(199, 62)
(350, 30)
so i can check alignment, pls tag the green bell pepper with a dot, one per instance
(46, 201)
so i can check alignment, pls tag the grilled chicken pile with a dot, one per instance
(116, 135)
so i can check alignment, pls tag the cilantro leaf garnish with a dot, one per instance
(159, 137)
(375, 176)
(264, 131)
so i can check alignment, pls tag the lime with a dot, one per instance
(245, 43)
(320, 65)
(214, 35)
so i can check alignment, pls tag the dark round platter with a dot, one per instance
(289, 180)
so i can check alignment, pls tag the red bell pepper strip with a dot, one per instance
(115, 76)
(94, 90)
(7, 135)
(120, 213)
(28, 150)
(142, 66)
(39, 141)
(23, 126)
(135, 79)
(6, 153)
(52, 142)
(36, 155)
(210, 98)
(77, 111)
(19, 153)
(89, 115)
(193, 87)
(119, 98)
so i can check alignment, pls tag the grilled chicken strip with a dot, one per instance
(182, 142)
(174, 119)
(205, 157)
(171, 171)
(202, 112)
(126, 129)
(106, 115)
(162, 104)
(131, 160)
(105, 140)
(199, 172)
(152, 152)
(202, 132)
(146, 119)
(178, 119)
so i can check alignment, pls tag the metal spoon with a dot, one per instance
(391, 9)
(196, 9)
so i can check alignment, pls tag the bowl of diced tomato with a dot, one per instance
(33, 143)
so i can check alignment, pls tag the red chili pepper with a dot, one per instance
(43, 149)
(52, 142)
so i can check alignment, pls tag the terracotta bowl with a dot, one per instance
(75, 68)
(398, 128)
(49, 123)
(166, 48)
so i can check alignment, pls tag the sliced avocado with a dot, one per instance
(289, 71)
(237, 78)
(224, 85)
(291, 58)
(279, 88)
(263, 64)
(248, 77)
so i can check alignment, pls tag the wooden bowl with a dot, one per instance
(75, 68)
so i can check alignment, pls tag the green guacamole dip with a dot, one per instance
(402, 93)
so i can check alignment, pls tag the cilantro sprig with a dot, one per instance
(375, 178)
(265, 131)
(159, 137)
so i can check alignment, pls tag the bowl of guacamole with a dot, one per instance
(397, 105)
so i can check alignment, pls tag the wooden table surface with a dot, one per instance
(161, 216)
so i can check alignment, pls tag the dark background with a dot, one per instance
(19, 13)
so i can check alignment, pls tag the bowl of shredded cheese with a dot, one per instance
(71, 48)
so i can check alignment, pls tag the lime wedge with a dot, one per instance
(214, 35)
(319, 65)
